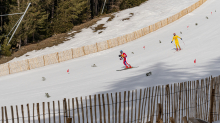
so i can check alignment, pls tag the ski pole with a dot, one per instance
(183, 42)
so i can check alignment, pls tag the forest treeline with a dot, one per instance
(47, 17)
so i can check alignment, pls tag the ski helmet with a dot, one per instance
(174, 34)
(121, 51)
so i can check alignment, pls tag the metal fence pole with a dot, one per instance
(19, 22)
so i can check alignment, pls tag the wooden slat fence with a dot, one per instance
(165, 102)
(19, 66)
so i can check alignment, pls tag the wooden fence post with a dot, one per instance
(58, 59)
(48, 107)
(185, 119)
(6, 115)
(38, 112)
(69, 120)
(59, 111)
(72, 53)
(33, 114)
(97, 47)
(212, 91)
(54, 120)
(77, 104)
(87, 117)
(84, 50)
(28, 64)
(2, 115)
(82, 109)
(12, 114)
(9, 68)
(43, 112)
(172, 120)
(44, 60)
(22, 111)
(28, 111)
(73, 110)
(159, 113)
(91, 116)
(212, 98)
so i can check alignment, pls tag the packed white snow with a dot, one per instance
(146, 14)
(201, 42)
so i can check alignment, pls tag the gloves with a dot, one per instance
(181, 38)
(171, 41)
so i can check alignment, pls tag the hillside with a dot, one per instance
(166, 65)
(121, 23)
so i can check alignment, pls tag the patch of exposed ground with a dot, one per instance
(128, 18)
(55, 39)
(101, 27)
(98, 27)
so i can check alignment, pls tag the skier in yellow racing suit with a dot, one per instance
(175, 37)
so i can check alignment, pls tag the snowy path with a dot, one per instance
(146, 14)
(201, 43)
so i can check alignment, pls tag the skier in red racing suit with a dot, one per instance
(124, 56)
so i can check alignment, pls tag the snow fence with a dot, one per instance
(19, 66)
(171, 103)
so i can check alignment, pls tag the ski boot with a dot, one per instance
(127, 67)
(176, 49)
(130, 66)
(179, 48)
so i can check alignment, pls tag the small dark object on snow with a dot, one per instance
(159, 41)
(180, 32)
(148, 74)
(132, 52)
(47, 95)
(207, 17)
(43, 78)
(94, 65)
(215, 10)
(119, 55)
(196, 24)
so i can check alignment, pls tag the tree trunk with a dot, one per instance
(91, 8)
(19, 46)
(26, 40)
(1, 22)
(87, 13)
(18, 1)
(52, 11)
(33, 36)
(95, 7)
(47, 15)
(1, 9)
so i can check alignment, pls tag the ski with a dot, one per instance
(127, 68)
(178, 50)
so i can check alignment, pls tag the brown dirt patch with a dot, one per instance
(111, 18)
(131, 15)
(99, 27)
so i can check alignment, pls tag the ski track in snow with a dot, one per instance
(146, 14)
(201, 43)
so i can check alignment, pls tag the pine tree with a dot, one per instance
(70, 13)
(5, 48)
(35, 21)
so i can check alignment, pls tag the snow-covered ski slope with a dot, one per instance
(146, 14)
(201, 43)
